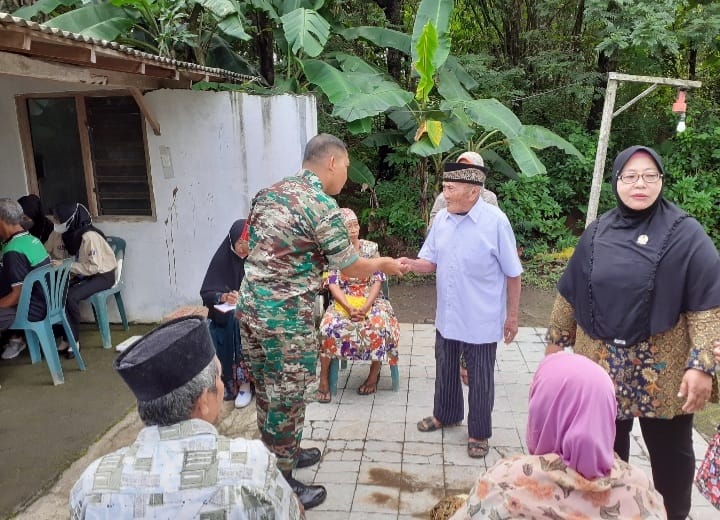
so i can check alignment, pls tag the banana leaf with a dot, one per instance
(306, 30)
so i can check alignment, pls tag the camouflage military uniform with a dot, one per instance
(296, 229)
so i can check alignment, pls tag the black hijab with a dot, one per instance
(41, 225)
(80, 223)
(633, 273)
(226, 270)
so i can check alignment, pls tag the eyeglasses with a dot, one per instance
(631, 176)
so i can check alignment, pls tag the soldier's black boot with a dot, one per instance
(310, 496)
(308, 457)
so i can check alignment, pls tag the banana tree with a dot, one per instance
(441, 114)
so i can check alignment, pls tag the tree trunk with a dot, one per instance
(264, 47)
(393, 10)
(604, 65)
(692, 63)
(577, 28)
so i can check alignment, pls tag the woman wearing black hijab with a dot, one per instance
(641, 297)
(41, 226)
(220, 287)
(93, 268)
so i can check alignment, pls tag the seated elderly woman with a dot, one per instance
(571, 471)
(359, 324)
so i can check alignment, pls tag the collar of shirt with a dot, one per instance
(191, 426)
(474, 212)
(312, 178)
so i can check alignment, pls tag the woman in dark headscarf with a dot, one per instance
(220, 288)
(641, 297)
(93, 268)
(41, 226)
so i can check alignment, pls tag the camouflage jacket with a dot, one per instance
(296, 233)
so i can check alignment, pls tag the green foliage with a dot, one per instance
(306, 30)
(543, 270)
(44, 7)
(536, 217)
(571, 176)
(398, 214)
(692, 163)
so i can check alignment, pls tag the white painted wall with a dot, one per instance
(224, 147)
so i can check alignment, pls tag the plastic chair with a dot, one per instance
(39, 334)
(336, 364)
(98, 301)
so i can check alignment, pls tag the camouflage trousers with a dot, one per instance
(283, 366)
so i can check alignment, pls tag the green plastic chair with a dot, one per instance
(39, 334)
(98, 301)
(335, 363)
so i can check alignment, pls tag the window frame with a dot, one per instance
(84, 135)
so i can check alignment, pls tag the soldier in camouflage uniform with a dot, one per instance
(296, 233)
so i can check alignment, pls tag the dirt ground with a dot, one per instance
(415, 303)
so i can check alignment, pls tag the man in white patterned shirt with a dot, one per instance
(179, 466)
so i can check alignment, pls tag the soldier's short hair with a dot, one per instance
(11, 212)
(321, 146)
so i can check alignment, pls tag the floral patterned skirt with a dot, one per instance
(373, 339)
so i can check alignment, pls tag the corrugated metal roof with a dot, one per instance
(9, 20)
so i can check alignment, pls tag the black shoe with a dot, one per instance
(309, 496)
(308, 457)
(229, 395)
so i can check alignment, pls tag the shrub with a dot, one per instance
(536, 217)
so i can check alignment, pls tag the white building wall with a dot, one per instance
(222, 148)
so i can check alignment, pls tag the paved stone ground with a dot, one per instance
(376, 464)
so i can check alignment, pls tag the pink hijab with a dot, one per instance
(572, 413)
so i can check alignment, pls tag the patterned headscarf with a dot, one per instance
(572, 413)
(348, 215)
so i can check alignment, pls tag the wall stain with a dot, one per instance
(170, 223)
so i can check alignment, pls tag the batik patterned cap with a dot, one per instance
(166, 358)
(461, 172)
(348, 215)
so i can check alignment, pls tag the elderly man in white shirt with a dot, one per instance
(472, 249)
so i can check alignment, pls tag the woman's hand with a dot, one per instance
(357, 314)
(229, 297)
(696, 386)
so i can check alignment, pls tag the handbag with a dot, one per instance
(355, 301)
(708, 476)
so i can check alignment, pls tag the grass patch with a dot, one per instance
(544, 270)
(706, 421)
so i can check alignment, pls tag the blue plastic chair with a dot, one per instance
(335, 364)
(39, 334)
(99, 299)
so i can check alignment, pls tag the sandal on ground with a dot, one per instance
(368, 388)
(478, 449)
(324, 396)
(430, 425)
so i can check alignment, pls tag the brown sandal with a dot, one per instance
(430, 424)
(478, 449)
